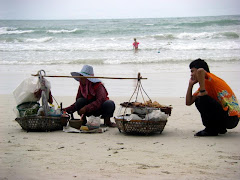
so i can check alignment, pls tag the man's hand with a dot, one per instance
(190, 99)
(192, 81)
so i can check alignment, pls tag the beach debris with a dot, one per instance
(211, 145)
(166, 172)
(120, 143)
(33, 150)
(145, 166)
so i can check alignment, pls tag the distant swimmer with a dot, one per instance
(135, 44)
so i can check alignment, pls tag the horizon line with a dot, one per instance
(67, 19)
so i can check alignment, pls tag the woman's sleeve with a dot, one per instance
(79, 94)
(101, 96)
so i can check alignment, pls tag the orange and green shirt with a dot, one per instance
(219, 90)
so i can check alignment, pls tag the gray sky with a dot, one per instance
(111, 9)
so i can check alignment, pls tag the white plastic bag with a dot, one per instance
(25, 91)
(93, 122)
(134, 117)
(15, 110)
(157, 116)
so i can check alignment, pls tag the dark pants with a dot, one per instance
(214, 118)
(106, 110)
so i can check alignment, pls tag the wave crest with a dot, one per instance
(62, 31)
(202, 35)
(224, 22)
(9, 30)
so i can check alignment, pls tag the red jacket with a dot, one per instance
(101, 95)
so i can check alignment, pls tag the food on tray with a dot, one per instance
(149, 103)
(143, 107)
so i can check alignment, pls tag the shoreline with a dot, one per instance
(174, 154)
(162, 80)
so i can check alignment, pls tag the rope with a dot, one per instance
(55, 100)
(145, 92)
(138, 88)
(131, 97)
(43, 95)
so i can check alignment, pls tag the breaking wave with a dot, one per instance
(224, 22)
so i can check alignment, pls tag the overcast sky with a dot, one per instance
(111, 9)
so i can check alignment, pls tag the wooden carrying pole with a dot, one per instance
(139, 77)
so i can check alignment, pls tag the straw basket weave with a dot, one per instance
(42, 123)
(140, 126)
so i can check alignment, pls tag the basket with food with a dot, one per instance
(33, 117)
(42, 123)
(145, 117)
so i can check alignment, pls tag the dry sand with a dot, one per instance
(174, 154)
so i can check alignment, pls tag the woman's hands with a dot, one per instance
(82, 111)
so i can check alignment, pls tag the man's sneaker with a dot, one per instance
(206, 133)
(222, 131)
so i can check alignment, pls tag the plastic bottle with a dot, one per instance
(58, 111)
(40, 112)
(64, 114)
(52, 109)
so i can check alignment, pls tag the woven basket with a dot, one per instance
(140, 126)
(42, 123)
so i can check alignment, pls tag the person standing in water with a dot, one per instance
(135, 44)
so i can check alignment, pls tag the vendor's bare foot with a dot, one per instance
(107, 122)
(111, 124)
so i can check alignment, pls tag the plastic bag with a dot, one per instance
(93, 122)
(133, 117)
(15, 110)
(157, 116)
(25, 91)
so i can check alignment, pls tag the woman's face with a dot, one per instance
(83, 81)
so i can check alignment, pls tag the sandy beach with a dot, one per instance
(174, 154)
(62, 44)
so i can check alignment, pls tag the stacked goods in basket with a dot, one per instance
(144, 118)
(32, 118)
(30, 115)
(139, 104)
(149, 105)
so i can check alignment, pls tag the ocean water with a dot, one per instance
(167, 46)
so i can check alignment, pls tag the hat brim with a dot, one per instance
(94, 80)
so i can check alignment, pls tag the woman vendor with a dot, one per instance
(92, 98)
